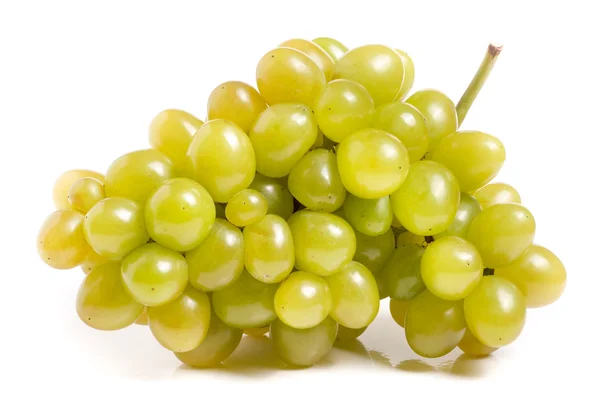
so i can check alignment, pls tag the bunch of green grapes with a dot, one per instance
(296, 208)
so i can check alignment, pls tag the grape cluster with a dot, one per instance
(297, 207)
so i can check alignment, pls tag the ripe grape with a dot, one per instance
(497, 193)
(246, 207)
(371, 217)
(409, 237)
(332, 47)
(143, 318)
(237, 102)
(402, 273)
(86, 192)
(279, 198)
(257, 332)
(348, 334)
(315, 52)
(468, 208)
(303, 300)
(398, 311)
(374, 251)
(439, 112)
(409, 74)
(471, 346)
(61, 242)
(62, 186)
(92, 260)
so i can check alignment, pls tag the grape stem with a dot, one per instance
(469, 96)
(429, 239)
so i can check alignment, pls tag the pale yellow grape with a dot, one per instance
(60, 190)
(237, 102)
(475, 158)
(348, 334)
(378, 68)
(257, 332)
(221, 159)
(246, 207)
(471, 346)
(502, 233)
(281, 135)
(103, 302)
(182, 324)
(143, 318)
(538, 274)
(61, 242)
(468, 208)
(332, 47)
(279, 198)
(218, 260)
(398, 311)
(402, 273)
(371, 217)
(439, 112)
(354, 294)
(409, 74)
(427, 201)
(92, 260)
(497, 193)
(343, 107)
(171, 133)
(495, 311)
(315, 52)
(86, 192)
(409, 237)
(372, 163)
(285, 75)
(268, 249)
(135, 175)
(374, 251)
(303, 300)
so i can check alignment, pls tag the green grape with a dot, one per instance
(182, 324)
(220, 341)
(381, 285)
(237, 102)
(268, 249)
(433, 326)
(143, 318)
(219, 260)
(154, 275)
(451, 268)
(257, 332)
(439, 112)
(409, 237)
(343, 107)
(354, 295)
(303, 300)
(171, 133)
(322, 142)
(278, 196)
(315, 181)
(92, 260)
(286, 75)
(374, 251)
(538, 274)
(471, 346)
(303, 347)
(378, 68)
(135, 175)
(398, 311)
(115, 226)
(246, 207)
(475, 158)
(221, 159)
(103, 302)
(371, 217)
(372, 163)
(427, 201)
(497, 193)
(409, 74)
(403, 272)
(468, 208)
(332, 47)
(61, 242)
(502, 233)
(323, 243)
(407, 124)
(246, 303)
(348, 334)
(180, 214)
(281, 135)
(86, 192)
(316, 53)
(219, 211)
(62, 186)
(495, 311)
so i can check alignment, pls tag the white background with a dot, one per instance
(81, 80)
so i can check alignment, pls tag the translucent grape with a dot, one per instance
(246, 207)
(286, 75)
(539, 274)
(221, 159)
(502, 233)
(402, 273)
(268, 249)
(468, 208)
(439, 112)
(143, 318)
(427, 201)
(348, 334)
(281, 135)
(323, 243)
(303, 347)
(378, 68)
(409, 74)
(115, 226)
(372, 163)
(354, 294)
(343, 107)
(237, 102)
(279, 198)
(497, 193)
(182, 324)
(471, 346)
(86, 192)
(315, 52)
(171, 133)
(135, 175)
(433, 326)
(315, 181)
(409, 237)
(257, 332)
(246, 303)
(180, 214)
(154, 275)
(303, 300)
(103, 302)
(92, 260)
(218, 260)
(451, 268)
(61, 242)
(381, 285)
(475, 158)
(374, 251)
(60, 191)
(495, 311)
(371, 217)
(398, 311)
(332, 47)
